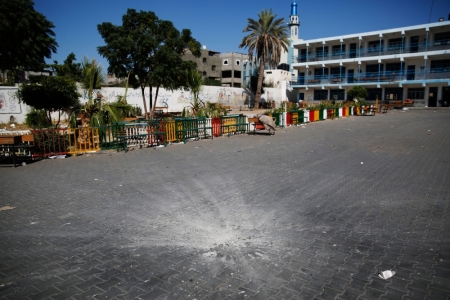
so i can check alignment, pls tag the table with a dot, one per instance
(12, 142)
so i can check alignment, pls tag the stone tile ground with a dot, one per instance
(314, 212)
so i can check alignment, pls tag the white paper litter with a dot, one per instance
(57, 156)
(6, 208)
(386, 274)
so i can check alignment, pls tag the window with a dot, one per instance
(416, 93)
(320, 94)
(393, 93)
(269, 72)
(238, 62)
(372, 70)
(442, 38)
(438, 66)
(375, 46)
(352, 50)
(322, 51)
(336, 50)
(338, 72)
(204, 73)
(395, 44)
(394, 69)
(204, 60)
(237, 74)
(372, 94)
(225, 62)
(226, 74)
(340, 94)
(320, 73)
(213, 68)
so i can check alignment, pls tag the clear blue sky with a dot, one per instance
(219, 24)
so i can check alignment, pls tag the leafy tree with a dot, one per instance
(147, 48)
(211, 82)
(54, 94)
(27, 36)
(266, 40)
(96, 111)
(37, 119)
(69, 68)
(358, 92)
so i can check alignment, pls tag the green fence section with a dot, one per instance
(232, 124)
(192, 128)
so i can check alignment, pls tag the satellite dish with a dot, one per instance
(204, 47)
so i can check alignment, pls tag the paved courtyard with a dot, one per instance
(313, 212)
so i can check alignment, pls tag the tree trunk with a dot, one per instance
(156, 97)
(259, 85)
(150, 101)
(145, 103)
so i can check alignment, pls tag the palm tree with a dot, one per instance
(267, 38)
(194, 82)
(96, 111)
(92, 78)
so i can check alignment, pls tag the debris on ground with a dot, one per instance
(7, 207)
(386, 274)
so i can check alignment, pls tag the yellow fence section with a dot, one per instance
(82, 140)
(170, 132)
(316, 115)
(228, 125)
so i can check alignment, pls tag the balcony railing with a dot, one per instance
(385, 77)
(368, 52)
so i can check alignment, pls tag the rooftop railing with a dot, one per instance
(314, 56)
(371, 77)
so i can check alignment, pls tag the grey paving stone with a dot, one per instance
(245, 213)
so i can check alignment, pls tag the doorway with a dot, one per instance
(410, 73)
(445, 101)
(432, 97)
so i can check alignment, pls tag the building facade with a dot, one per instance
(232, 68)
(224, 67)
(209, 63)
(395, 64)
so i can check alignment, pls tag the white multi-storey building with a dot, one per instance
(402, 63)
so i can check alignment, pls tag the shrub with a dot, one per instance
(37, 119)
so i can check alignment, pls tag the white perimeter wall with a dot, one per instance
(176, 100)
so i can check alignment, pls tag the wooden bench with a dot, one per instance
(226, 107)
(385, 107)
(369, 111)
(160, 109)
(258, 125)
(408, 102)
(397, 104)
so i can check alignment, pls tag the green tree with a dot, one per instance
(53, 94)
(70, 68)
(194, 83)
(96, 111)
(211, 82)
(27, 36)
(358, 92)
(147, 48)
(91, 77)
(267, 38)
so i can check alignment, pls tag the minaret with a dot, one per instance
(294, 23)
